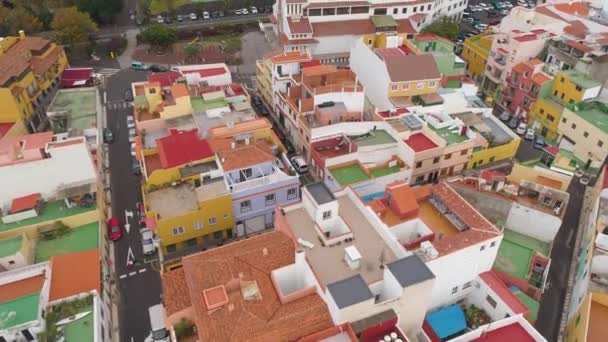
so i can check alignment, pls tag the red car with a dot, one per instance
(141, 212)
(114, 230)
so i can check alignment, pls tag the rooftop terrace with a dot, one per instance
(449, 136)
(420, 142)
(51, 211)
(24, 309)
(356, 172)
(328, 262)
(173, 200)
(79, 105)
(10, 246)
(596, 114)
(75, 240)
(374, 137)
(516, 253)
(82, 329)
(598, 316)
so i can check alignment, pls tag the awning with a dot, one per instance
(448, 321)
(76, 77)
(24, 203)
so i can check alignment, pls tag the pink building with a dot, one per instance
(508, 50)
(522, 87)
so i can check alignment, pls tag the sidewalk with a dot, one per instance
(125, 58)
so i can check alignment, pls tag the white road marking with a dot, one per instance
(123, 276)
(133, 273)
(130, 257)
(142, 270)
(128, 214)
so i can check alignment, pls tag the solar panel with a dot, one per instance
(411, 121)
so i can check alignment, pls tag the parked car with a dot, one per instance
(114, 230)
(128, 95)
(539, 143)
(530, 134)
(521, 128)
(206, 15)
(168, 20)
(261, 9)
(160, 19)
(157, 68)
(179, 17)
(238, 12)
(132, 134)
(139, 66)
(133, 149)
(244, 11)
(193, 16)
(108, 136)
(299, 164)
(147, 241)
(493, 14)
(141, 213)
(504, 116)
(468, 20)
(215, 14)
(601, 241)
(264, 111)
(135, 168)
(220, 14)
(481, 27)
(130, 122)
(513, 123)
(254, 10)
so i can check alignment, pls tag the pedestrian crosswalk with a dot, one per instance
(118, 105)
(107, 72)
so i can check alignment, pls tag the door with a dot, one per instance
(255, 224)
(544, 131)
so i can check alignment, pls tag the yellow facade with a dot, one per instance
(180, 106)
(163, 177)
(18, 95)
(545, 115)
(475, 52)
(197, 227)
(494, 154)
(264, 80)
(567, 89)
(414, 88)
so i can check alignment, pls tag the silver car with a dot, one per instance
(147, 241)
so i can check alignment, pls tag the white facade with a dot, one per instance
(533, 223)
(449, 8)
(192, 75)
(372, 74)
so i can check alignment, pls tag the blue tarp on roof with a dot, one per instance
(448, 321)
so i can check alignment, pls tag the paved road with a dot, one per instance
(139, 286)
(552, 301)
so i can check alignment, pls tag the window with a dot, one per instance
(190, 242)
(562, 79)
(466, 285)
(343, 10)
(454, 289)
(229, 233)
(491, 301)
(571, 101)
(447, 156)
(600, 143)
(218, 235)
(12, 262)
(314, 12)
(415, 9)
(493, 244)
(198, 225)
(330, 11)
(419, 179)
(226, 215)
(395, 10)
(171, 248)
(432, 84)
(404, 10)
(245, 206)
(270, 199)
(327, 215)
(178, 231)
(555, 93)
(573, 126)
(585, 134)
(421, 8)
(248, 172)
(292, 193)
(578, 88)
(564, 120)
(542, 111)
(483, 247)
(212, 221)
(562, 97)
(379, 11)
(394, 87)
(420, 85)
(550, 117)
(464, 152)
(418, 164)
(435, 160)
(492, 159)
(428, 8)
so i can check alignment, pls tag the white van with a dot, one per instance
(159, 332)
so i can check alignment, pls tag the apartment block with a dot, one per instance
(522, 87)
(256, 173)
(31, 68)
(318, 96)
(475, 53)
(393, 75)
(510, 48)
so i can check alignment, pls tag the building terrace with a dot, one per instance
(173, 200)
(74, 109)
(48, 212)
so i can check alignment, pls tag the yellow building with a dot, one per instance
(475, 52)
(165, 103)
(264, 79)
(186, 200)
(491, 154)
(568, 88)
(29, 66)
(589, 324)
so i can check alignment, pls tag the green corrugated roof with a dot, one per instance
(595, 117)
(19, 310)
(10, 246)
(383, 21)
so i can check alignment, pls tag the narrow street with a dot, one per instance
(552, 301)
(139, 285)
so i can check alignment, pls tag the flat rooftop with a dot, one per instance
(450, 137)
(498, 135)
(79, 106)
(328, 262)
(82, 329)
(516, 252)
(173, 201)
(24, 308)
(75, 240)
(373, 137)
(212, 189)
(51, 211)
(511, 332)
(420, 142)
(204, 121)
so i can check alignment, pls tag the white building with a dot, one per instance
(210, 74)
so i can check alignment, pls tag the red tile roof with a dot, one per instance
(336, 4)
(24, 203)
(175, 291)
(23, 55)
(182, 147)
(165, 79)
(74, 273)
(526, 38)
(21, 288)
(508, 333)
(290, 57)
(72, 77)
(577, 28)
(301, 25)
(261, 318)
(299, 41)
(355, 27)
(504, 293)
(579, 46)
(545, 10)
(206, 72)
(579, 8)
(420, 142)
(242, 157)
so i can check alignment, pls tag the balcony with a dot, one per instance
(273, 177)
(501, 60)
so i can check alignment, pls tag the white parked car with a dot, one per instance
(147, 241)
(130, 121)
(132, 134)
(244, 11)
(481, 27)
(601, 241)
(133, 149)
(193, 16)
(160, 19)
(521, 129)
(530, 134)
(299, 164)
(254, 10)
(206, 15)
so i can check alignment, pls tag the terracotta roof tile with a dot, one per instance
(577, 28)
(285, 40)
(301, 25)
(65, 282)
(175, 291)
(546, 10)
(290, 57)
(249, 261)
(21, 288)
(540, 78)
(23, 55)
(242, 157)
(579, 46)
(579, 8)
(355, 27)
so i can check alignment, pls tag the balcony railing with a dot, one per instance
(275, 176)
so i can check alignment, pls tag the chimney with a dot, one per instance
(21, 34)
(265, 251)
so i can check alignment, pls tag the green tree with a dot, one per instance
(199, 9)
(16, 19)
(192, 52)
(72, 26)
(227, 5)
(160, 35)
(445, 27)
(102, 11)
